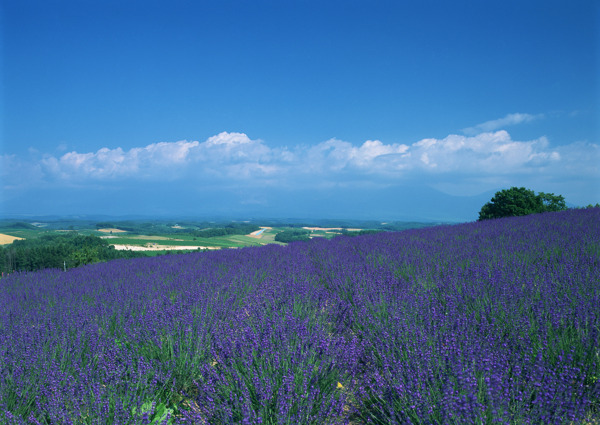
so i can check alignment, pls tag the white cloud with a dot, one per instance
(510, 119)
(236, 159)
(337, 155)
(226, 155)
(486, 154)
(231, 147)
(117, 163)
(228, 139)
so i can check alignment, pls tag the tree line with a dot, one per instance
(58, 251)
(230, 229)
(292, 235)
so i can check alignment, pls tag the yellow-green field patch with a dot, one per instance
(6, 239)
(110, 230)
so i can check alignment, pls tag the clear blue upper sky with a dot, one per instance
(463, 97)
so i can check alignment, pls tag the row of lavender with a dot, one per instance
(488, 322)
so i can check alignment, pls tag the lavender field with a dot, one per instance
(480, 323)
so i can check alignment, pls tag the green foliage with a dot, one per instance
(58, 251)
(552, 202)
(292, 235)
(157, 413)
(518, 201)
(104, 225)
(86, 255)
(231, 229)
(588, 206)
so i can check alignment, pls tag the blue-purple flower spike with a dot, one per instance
(482, 323)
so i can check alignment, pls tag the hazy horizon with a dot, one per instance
(362, 110)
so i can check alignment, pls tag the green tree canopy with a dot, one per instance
(552, 202)
(520, 201)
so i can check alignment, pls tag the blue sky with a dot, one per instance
(181, 107)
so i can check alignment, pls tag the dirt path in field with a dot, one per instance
(112, 230)
(6, 239)
(161, 247)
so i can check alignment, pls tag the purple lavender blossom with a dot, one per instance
(487, 322)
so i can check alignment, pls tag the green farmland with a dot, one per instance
(65, 243)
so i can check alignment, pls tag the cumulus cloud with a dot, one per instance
(337, 155)
(228, 139)
(492, 153)
(225, 154)
(117, 163)
(233, 159)
(510, 119)
(486, 153)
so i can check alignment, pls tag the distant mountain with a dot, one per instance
(392, 203)
(402, 203)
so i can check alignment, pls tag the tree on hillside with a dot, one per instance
(552, 202)
(518, 201)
